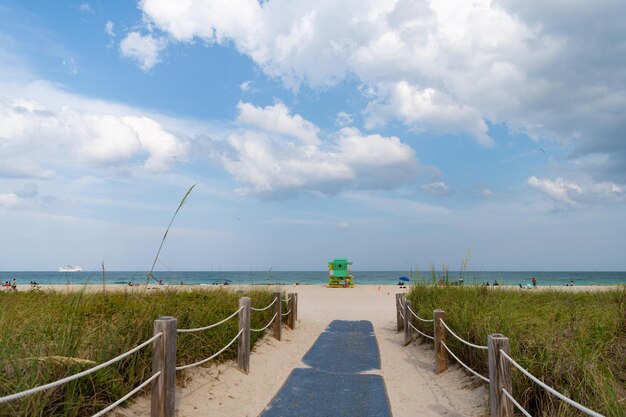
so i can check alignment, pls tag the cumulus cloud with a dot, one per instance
(277, 119)
(439, 66)
(565, 193)
(280, 154)
(66, 134)
(427, 110)
(145, 49)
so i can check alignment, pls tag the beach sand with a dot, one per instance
(412, 386)
(411, 383)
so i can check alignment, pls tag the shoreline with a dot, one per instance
(291, 287)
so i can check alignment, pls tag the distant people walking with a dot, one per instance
(534, 281)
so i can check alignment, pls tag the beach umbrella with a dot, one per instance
(404, 279)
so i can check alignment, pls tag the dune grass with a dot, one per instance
(573, 341)
(49, 335)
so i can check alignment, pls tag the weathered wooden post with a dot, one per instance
(408, 320)
(295, 306)
(499, 376)
(278, 310)
(441, 355)
(399, 321)
(290, 309)
(164, 360)
(243, 347)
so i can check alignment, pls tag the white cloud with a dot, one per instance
(109, 28)
(86, 7)
(565, 193)
(438, 187)
(343, 119)
(279, 154)
(58, 136)
(10, 201)
(428, 110)
(143, 49)
(277, 119)
(246, 86)
(441, 66)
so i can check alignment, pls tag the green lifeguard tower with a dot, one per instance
(339, 276)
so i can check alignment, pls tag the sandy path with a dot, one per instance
(412, 386)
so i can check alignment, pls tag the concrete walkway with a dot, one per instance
(341, 379)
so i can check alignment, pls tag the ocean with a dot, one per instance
(312, 277)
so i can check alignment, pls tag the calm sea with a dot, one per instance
(313, 277)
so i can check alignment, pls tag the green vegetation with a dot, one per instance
(573, 341)
(50, 335)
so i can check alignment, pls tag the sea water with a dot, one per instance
(559, 278)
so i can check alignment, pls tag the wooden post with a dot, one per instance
(290, 309)
(408, 319)
(499, 376)
(243, 347)
(295, 306)
(164, 360)
(441, 355)
(278, 309)
(399, 321)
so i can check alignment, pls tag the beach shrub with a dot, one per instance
(50, 335)
(573, 341)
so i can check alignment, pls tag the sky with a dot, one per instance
(399, 134)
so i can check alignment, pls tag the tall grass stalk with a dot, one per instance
(50, 335)
(156, 258)
(573, 341)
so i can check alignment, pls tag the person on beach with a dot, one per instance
(534, 281)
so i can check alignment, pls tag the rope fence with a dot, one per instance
(419, 318)
(418, 331)
(80, 374)
(210, 326)
(191, 365)
(266, 326)
(461, 339)
(264, 308)
(464, 365)
(127, 396)
(499, 360)
(548, 388)
(164, 367)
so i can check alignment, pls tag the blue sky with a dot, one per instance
(398, 134)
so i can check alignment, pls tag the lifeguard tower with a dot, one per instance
(339, 275)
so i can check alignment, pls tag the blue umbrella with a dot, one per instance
(404, 279)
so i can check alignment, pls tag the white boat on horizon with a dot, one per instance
(70, 268)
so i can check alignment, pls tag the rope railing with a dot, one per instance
(548, 388)
(464, 365)
(164, 355)
(210, 326)
(419, 318)
(191, 365)
(268, 324)
(500, 382)
(461, 339)
(127, 396)
(519, 407)
(286, 314)
(264, 308)
(80, 374)
(418, 331)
